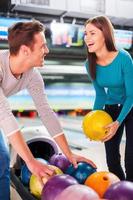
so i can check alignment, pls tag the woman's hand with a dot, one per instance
(112, 129)
(74, 159)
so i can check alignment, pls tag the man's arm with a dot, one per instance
(37, 90)
(73, 158)
(10, 128)
(20, 146)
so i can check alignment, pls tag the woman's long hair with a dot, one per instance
(104, 24)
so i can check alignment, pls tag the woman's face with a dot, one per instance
(94, 38)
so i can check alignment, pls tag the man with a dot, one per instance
(27, 49)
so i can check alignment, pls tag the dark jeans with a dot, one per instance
(112, 146)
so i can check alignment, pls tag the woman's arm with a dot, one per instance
(128, 82)
(100, 97)
(100, 93)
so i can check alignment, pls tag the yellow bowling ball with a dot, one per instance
(56, 169)
(36, 186)
(94, 124)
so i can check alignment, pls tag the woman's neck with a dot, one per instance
(105, 57)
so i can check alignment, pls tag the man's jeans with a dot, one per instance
(4, 170)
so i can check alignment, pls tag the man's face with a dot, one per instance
(39, 51)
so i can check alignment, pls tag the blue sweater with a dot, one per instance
(114, 83)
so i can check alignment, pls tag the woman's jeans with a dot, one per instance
(4, 170)
(112, 146)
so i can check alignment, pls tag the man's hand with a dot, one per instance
(40, 169)
(112, 129)
(74, 159)
(36, 167)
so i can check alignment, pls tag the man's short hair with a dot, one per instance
(22, 33)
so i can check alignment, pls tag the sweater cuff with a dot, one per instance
(9, 126)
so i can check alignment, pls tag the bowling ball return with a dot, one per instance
(42, 146)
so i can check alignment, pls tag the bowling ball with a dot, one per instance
(60, 161)
(57, 169)
(122, 190)
(36, 186)
(101, 181)
(42, 160)
(81, 172)
(93, 124)
(78, 192)
(26, 174)
(56, 185)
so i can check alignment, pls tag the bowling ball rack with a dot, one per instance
(18, 185)
(42, 146)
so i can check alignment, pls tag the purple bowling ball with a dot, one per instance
(56, 185)
(78, 192)
(122, 190)
(60, 160)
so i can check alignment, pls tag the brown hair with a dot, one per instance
(22, 33)
(104, 24)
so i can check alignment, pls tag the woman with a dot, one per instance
(111, 72)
